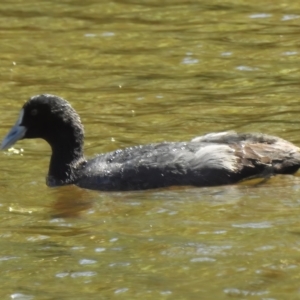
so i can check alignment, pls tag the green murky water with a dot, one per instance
(139, 72)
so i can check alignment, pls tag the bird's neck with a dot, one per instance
(66, 160)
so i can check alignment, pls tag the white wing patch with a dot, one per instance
(215, 136)
(216, 156)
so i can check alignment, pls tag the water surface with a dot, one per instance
(141, 72)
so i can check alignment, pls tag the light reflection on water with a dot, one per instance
(138, 73)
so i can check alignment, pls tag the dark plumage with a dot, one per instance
(213, 159)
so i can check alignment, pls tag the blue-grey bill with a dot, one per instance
(16, 133)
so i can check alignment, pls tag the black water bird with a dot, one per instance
(209, 160)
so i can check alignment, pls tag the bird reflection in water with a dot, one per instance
(70, 201)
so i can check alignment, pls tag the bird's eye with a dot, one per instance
(34, 112)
